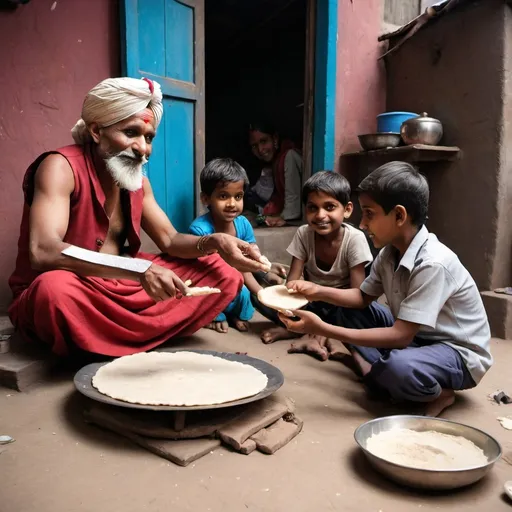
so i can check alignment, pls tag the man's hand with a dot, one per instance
(161, 283)
(239, 254)
(307, 288)
(308, 322)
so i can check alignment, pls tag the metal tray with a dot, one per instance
(83, 383)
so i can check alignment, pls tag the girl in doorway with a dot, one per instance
(278, 191)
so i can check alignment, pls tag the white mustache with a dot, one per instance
(128, 153)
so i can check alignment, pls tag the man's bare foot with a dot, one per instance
(312, 345)
(443, 401)
(221, 327)
(240, 325)
(275, 334)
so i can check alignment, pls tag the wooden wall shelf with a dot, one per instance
(413, 154)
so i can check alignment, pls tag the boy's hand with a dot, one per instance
(279, 269)
(307, 323)
(306, 288)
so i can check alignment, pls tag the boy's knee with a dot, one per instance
(405, 379)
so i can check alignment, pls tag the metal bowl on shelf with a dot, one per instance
(372, 141)
(429, 478)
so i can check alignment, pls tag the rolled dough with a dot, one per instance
(178, 378)
(278, 297)
(266, 262)
(196, 291)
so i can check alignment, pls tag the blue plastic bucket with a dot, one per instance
(390, 122)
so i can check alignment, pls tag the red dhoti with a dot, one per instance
(117, 317)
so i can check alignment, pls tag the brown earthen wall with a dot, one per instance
(502, 268)
(49, 59)
(453, 69)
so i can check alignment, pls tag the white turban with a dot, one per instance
(116, 99)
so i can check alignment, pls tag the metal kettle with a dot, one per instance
(422, 130)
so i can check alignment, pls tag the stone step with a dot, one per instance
(499, 311)
(24, 364)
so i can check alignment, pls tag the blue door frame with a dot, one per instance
(324, 120)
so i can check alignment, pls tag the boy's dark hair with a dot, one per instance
(398, 183)
(220, 171)
(330, 183)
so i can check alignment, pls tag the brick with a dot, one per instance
(248, 447)
(182, 452)
(271, 439)
(259, 415)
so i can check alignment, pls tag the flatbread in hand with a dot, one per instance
(280, 298)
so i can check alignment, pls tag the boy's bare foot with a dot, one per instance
(312, 345)
(353, 360)
(276, 333)
(443, 401)
(240, 325)
(221, 327)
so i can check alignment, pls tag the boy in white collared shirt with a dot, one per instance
(436, 338)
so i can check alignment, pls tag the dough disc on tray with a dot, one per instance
(178, 378)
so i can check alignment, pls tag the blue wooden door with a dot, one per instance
(164, 41)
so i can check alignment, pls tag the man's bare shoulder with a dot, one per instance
(54, 175)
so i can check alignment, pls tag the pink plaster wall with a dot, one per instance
(360, 77)
(49, 59)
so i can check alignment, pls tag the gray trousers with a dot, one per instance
(416, 373)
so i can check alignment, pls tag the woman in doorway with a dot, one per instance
(278, 190)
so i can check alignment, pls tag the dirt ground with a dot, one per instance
(60, 464)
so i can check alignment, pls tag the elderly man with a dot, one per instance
(84, 207)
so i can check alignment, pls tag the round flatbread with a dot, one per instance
(178, 378)
(280, 298)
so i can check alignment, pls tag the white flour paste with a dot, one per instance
(178, 378)
(426, 450)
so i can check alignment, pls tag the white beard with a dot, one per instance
(126, 169)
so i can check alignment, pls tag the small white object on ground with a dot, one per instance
(506, 422)
(508, 489)
(6, 439)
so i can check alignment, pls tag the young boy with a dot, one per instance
(223, 183)
(436, 337)
(327, 251)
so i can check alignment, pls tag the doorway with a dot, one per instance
(269, 58)
(255, 54)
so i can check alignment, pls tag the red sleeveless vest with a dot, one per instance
(88, 222)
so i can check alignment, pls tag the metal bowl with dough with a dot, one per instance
(428, 478)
